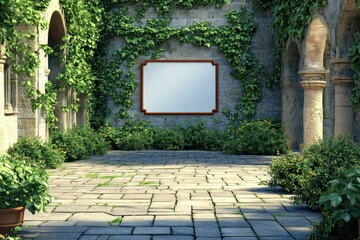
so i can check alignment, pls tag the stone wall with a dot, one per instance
(229, 88)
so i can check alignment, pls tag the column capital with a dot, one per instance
(313, 85)
(341, 67)
(342, 80)
(339, 61)
(2, 59)
(312, 74)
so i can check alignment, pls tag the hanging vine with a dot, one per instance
(354, 58)
(118, 81)
(290, 21)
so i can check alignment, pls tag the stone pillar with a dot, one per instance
(313, 116)
(343, 81)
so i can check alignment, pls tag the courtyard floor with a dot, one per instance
(160, 195)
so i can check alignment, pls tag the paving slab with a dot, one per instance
(159, 195)
(109, 230)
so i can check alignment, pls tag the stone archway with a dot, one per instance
(349, 23)
(313, 80)
(292, 96)
(55, 65)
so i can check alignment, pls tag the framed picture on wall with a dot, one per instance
(179, 87)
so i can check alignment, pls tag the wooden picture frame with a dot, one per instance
(179, 87)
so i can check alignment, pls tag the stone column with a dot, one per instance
(343, 81)
(313, 116)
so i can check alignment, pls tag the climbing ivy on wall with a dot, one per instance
(117, 79)
(354, 58)
(290, 21)
(94, 21)
(83, 19)
(19, 21)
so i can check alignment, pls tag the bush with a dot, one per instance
(135, 135)
(340, 207)
(71, 144)
(93, 141)
(256, 137)
(23, 184)
(213, 140)
(168, 139)
(322, 163)
(109, 133)
(37, 153)
(79, 143)
(194, 135)
(287, 171)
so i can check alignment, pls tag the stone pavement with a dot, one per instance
(160, 195)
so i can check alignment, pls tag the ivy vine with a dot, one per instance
(115, 75)
(290, 21)
(354, 58)
(83, 18)
(89, 67)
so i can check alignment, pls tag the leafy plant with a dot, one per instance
(344, 195)
(194, 135)
(79, 143)
(168, 139)
(23, 185)
(341, 206)
(213, 140)
(109, 134)
(287, 171)
(93, 141)
(37, 153)
(255, 137)
(70, 144)
(135, 135)
(322, 163)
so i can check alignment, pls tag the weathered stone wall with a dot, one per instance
(229, 88)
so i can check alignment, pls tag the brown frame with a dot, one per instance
(142, 90)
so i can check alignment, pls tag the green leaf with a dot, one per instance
(345, 216)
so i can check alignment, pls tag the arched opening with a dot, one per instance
(292, 97)
(55, 65)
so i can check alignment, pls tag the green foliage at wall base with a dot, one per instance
(37, 153)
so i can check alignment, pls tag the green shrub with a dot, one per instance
(287, 171)
(168, 139)
(341, 207)
(213, 140)
(255, 137)
(194, 135)
(322, 163)
(23, 184)
(37, 153)
(71, 144)
(135, 135)
(79, 143)
(109, 133)
(92, 140)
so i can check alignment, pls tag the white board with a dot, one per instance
(179, 87)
